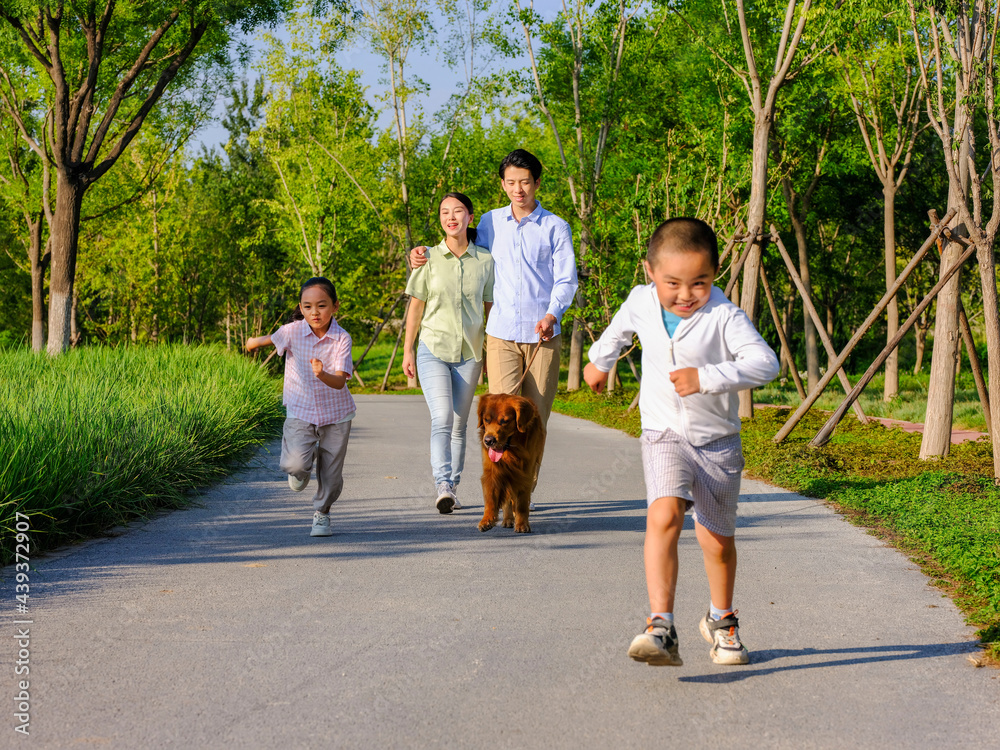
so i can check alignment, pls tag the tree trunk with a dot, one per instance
(921, 345)
(65, 241)
(38, 263)
(941, 387)
(573, 377)
(755, 226)
(575, 356)
(991, 320)
(786, 322)
(891, 389)
(756, 210)
(785, 355)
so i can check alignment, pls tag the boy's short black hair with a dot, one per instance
(523, 160)
(684, 235)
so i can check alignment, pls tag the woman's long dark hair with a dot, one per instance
(462, 198)
(321, 281)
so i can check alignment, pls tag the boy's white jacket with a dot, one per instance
(718, 339)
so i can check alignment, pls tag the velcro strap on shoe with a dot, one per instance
(730, 621)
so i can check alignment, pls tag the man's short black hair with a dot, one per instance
(523, 160)
(683, 235)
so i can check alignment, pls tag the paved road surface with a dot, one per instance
(228, 626)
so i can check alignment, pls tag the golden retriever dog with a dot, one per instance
(512, 437)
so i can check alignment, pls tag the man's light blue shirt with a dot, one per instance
(535, 271)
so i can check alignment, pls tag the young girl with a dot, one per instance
(319, 406)
(450, 295)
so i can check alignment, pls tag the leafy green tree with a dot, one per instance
(880, 78)
(25, 182)
(103, 68)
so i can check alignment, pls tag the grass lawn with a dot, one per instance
(910, 405)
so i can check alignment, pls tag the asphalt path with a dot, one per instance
(226, 625)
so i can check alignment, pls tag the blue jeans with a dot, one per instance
(448, 389)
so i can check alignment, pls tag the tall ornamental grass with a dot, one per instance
(100, 436)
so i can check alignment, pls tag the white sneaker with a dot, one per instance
(446, 500)
(724, 635)
(297, 485)
(321, 525)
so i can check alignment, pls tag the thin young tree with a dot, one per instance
(886, 95)
(596, 51)
(801, 140)
(393, 30)
(25, 183)
(959, 46)
(765, 71)
(101, 69)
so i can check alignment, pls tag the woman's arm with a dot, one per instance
(414, 314)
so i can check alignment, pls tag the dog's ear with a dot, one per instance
(525, 412)
(482, 408)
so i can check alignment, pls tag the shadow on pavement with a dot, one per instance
(775, 497)
(863, 655)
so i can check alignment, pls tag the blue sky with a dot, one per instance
(428, 65)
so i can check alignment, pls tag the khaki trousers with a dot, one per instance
(302, 443)
(506, 360)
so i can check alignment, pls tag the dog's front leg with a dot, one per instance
(522, 504)
(490, 502)
(508, 509)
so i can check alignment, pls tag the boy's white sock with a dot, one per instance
(668, 616)
(717, 614)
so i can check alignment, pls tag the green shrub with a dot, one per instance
(99, 436)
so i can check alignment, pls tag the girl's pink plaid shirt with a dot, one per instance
(305, 396)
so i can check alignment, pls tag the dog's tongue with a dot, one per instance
(494, 455)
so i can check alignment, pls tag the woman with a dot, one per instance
(451, 295)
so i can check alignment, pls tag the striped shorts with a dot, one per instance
(707, 476)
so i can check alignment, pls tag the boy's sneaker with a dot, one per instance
(321, 525)
(297, 485)
(446, 500)
(724, 635)
(656, 645)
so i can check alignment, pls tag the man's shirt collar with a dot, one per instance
(534, 216)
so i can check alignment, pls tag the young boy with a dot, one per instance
(698, 350)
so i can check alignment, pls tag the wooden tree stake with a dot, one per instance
(395, 350)
(820, 328)
(823, 436)
(378, 330)
(729, 247)
(974, 364)
(781, 335)
(737, 264)
(862, 330)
